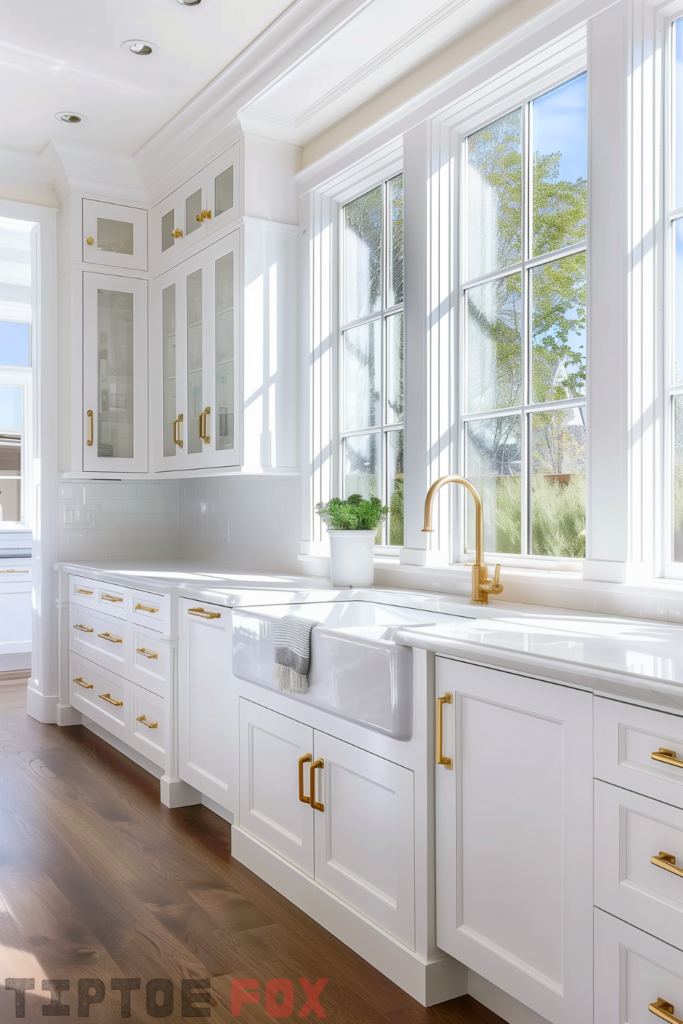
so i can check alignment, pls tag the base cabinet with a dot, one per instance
(341, 814)
(204, 709)
(514, 836)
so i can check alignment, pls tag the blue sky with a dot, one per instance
(559, 125)
(10, 408)
(14, 344)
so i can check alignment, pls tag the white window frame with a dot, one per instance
(21, 377)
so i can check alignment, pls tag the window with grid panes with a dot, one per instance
(523, 309)
(674, 367)
(371, 351)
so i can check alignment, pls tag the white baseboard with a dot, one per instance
(494, 999)
(212, 805)
(42, 708)
(16, 663)
(67, 715)
(176, 793)
(428, 982)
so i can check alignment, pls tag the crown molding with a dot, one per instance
(79, 170)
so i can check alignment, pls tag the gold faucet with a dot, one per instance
(482, 586)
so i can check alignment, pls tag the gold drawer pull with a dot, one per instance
(86, 686)
(90, 440)
(13, 570)
(110, 700)
(314, 803)
(302, 761)
(112, 598)
(150, 725)
(145, 652)
(665, 1010)
(83, 629)
(447, 762)
(110, 638)
(668, 862)
(146, 608)
(88, 593)
(666, 757)
(203, 614)
(176, 428)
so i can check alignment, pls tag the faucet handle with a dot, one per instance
(496, 585)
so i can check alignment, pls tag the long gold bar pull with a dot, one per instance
(144, 721)
(667, 861)
(447, 762)
(82, 682)
(314, 803)
(666, 757)
(83, 629)
(110, 700)
(664, 1009)
(146, 608)
(91, 438)
(204, 436)
(145, 652)
(111, 638)
(202, 614)
(302, 761)
(176, 430)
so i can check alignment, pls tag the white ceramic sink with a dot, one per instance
(357, 670)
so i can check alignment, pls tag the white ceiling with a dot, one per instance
(60, 55)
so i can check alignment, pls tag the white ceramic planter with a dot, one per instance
(352, 554)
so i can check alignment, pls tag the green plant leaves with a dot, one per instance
(352, 513)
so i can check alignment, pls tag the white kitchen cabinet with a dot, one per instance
(196, 360)
(114, 374)
(514, 835)
(15, 607)
(204, 708)
(114, 235)
(207, 202)
(276, 753)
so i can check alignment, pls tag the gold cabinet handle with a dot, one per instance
(668, 862)
(82, 628)
(204, 215)
(314, 803)
(81, 682)
(202, 425)
(302, 761)
(146, 608)
(665, 1010)
(90, 241)
(112, 599)
(26, 570)
(90, 428)
(447, 762)
(177, 233)
(666, 757)
(143, 719)
(110, 700)
(110, 638)
(203, 614)
(176, 430)
(88, 593)
(146, 653)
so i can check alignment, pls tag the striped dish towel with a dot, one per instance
(292, 642)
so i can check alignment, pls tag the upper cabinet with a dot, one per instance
(114, 236)
(206, 203)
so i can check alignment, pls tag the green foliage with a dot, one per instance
(396, 513)
(352, 513)
(559, 517)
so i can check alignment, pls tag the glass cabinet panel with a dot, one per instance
(193, 211)
(115, 374)
(194, 361)
(167, 228)
(168, 306)
(223, 192)
(224, 428)
(114, 236)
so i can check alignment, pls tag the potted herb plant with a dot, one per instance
(352, 526)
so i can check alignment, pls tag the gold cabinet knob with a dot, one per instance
(90, 241)
(177, 233)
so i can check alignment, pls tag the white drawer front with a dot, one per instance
(150, 610)
(629, 831)
(632, 971)
(625, 739)
(148, 724)
(19, 571)
(102, 640)
(100, 695)
(83, 591)
(112, 600)
(151, 661)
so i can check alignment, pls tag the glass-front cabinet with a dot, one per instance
(206, 203)
(194, 331)
(114, 235)
(114, 374)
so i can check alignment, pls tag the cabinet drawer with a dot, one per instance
(632, 971)
(83, 591)
(100, 639)
(630, 830)
(113, 600)
(100, 695)
(150, 610)
(148, 724)
(627, 738)
(15, 572)
(151, 661)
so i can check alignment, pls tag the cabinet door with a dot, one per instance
(204, 696)
(223, 189)
(365, 834)
(275, 756)
(114, 236)
(180, 221)
(114, 374)
(167, 349)
(514, 836)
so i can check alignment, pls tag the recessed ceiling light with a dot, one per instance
(69, 117)
(189, 3)
(140, 47)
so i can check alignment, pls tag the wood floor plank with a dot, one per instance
(98, 880)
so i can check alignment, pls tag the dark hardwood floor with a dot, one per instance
(99, 881)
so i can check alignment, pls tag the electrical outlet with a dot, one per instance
(79, 515)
